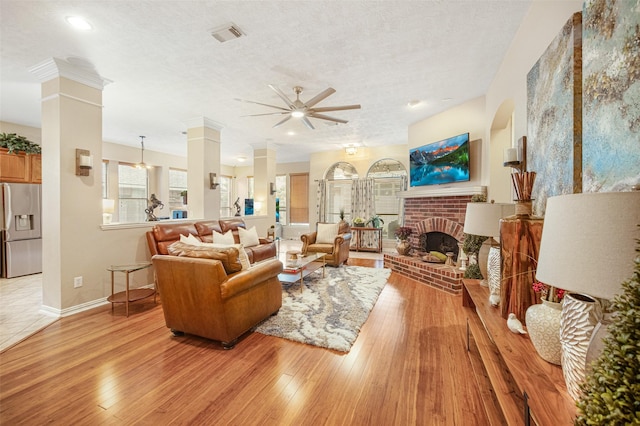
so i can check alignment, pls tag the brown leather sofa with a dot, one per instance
(336, 253)
(164, 234)
(200, 298)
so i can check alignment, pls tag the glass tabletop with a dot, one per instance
(130, 267)
(294, 265)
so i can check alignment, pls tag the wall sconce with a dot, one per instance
(213, 182)
(108, 207)
(516, 157)
(84, 162)
(351, 150)
(272, 188)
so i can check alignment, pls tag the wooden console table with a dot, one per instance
(522, 386)
(357, 232)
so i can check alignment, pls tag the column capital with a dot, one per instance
(203, 122)
(81, 72)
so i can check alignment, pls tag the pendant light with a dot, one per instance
(141, 164)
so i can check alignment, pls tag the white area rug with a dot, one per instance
(330, 311)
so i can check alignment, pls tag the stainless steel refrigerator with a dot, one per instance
(21, 235)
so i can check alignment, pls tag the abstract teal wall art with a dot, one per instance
(611, 95)
(554, 117)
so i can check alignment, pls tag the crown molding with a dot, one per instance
(56, 67)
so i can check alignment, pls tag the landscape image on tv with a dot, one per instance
(440, 162)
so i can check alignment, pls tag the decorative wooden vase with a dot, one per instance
(543, 325)
(520, 243)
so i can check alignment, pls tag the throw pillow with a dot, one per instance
(248, 237)
(227, 238)
(190, 239)
(242, 254)
(327, 233)
(228, 256)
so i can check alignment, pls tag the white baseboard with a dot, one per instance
(76, 309)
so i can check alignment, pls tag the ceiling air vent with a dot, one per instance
(227, 32)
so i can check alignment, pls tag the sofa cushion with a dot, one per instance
(228, 256)
(167, 234)
(226, 238)
(320, 248)
(248, 237)
(327, 233)
(242, 253)
(206, 227)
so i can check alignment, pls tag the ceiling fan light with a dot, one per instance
(297, 114)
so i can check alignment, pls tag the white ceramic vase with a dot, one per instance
(543, 325)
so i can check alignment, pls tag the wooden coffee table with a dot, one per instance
(296, 270)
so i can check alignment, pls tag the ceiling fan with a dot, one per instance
(303, 110)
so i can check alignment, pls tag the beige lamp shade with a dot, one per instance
(108, 205)
(588, 242)
(484, 218)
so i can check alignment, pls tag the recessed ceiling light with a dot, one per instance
(291, 133)
(242, 159)
(79, 23)
(414, 103)
(447, 99)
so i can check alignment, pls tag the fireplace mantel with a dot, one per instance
(442, 192)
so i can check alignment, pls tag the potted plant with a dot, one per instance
(15, 143)
(610, 392)
(183, 194)
(402, 234)
(341, 215)
(375, 221)
(358, 221)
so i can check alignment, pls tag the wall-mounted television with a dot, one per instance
(440, 162)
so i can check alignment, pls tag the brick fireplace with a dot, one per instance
(442, 211)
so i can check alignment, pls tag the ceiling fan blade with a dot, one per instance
(307, 123)
(336, 108)
(287, 118)
(326, 117)
(259, 103)
(267, 113)
(284, 97)
(319, 97)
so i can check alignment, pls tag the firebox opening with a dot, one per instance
(439, 241)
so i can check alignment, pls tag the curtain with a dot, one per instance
(404, 186)
(321, 200)
(363, 204)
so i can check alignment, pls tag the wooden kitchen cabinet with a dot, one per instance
(20, 168)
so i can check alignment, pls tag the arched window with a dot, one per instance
(339, 177)
(390, 177)
(341, 170)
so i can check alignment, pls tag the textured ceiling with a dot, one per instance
(166, 68)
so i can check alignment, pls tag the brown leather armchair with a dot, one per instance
(198, 297)
(336, 253)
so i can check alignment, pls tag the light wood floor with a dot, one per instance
(408, 367)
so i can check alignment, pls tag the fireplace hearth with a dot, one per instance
(441, 213)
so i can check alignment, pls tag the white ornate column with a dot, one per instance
(203, 157)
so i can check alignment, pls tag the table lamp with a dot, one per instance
(484, 219)
(108, 207)
(587, 249)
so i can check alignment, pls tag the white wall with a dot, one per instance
(539, 27)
